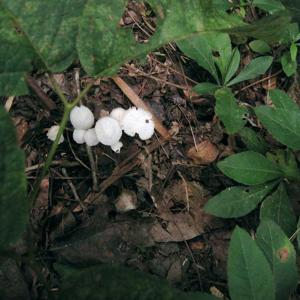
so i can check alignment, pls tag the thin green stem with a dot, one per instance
(58, 90)
(62, 126)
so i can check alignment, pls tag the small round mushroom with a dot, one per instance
(90, 137)
(108, 131)
(117, 113)
(82, 117)
(78, 135)
(52, 133)
(117, 147)
(137, 120)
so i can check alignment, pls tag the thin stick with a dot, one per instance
(46, 101)
(136, 100)
(72, 186)
(93, 168)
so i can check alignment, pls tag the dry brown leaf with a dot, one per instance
(203, 153)
(187, 223)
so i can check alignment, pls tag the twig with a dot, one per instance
(136, 100)
(93, 168)
(46, 101)
(72, 187)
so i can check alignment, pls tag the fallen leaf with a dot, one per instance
(203, 153)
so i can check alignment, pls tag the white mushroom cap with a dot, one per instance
(108, 131)
(78, 135)
(117, 147)
(82, 117)
(90, 137)
(52, 133)
(137, 120)
(117, 113)
(146, 131)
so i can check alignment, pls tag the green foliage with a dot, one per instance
(281, 256)
(253, 140)
(249, 168)
(259, 46)
(283, 121)
(269, 5)
(257, 66)
(206, 88)
(13, 206)
(237, 201)
(277, 207)
(104, 282)
(229, 111)
(249, 273)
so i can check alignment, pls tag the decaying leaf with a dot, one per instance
(181, 214)
(203, 153)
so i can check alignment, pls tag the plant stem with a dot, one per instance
(62, 125)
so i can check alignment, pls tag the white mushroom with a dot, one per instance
(137, 120)
(52, 133)
(117, 147)
(108, 131)
(117, 113)
(90, 137)
(81, 117)
(78, 135)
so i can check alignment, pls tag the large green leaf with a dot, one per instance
(253, 140)
(277, 207)
(256, 67)
(49, 26)
(104, 282)
(233, 65)
(237, 201)
(269, 5)
(259, 46)
(281, 255)
(249, 168)
(294, 7)
(281, 100)
(227, 109)
(249, 274)
(206, 88)
(15, 58)
(284, 125)
(13, 206)
(58, 32)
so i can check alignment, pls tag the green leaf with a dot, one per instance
(233, 65)
(229, 112)
(13, 206)
(50, 27)
(294, 7)
(256, 67)
(15, 59)
(253, 140)
(277, 207)
(288, 65)
(260, 46)
(237, 201)
(103, 282)
(281, 255)
(284, 125)
(198, 49)
(269, 5)
(281, 100)
(249, 168)
(249, 273)
(293, 52)
(206, 88)
(298, 233)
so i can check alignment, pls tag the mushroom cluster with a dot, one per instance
(108, 130)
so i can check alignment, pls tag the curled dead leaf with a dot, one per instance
(203, 153)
